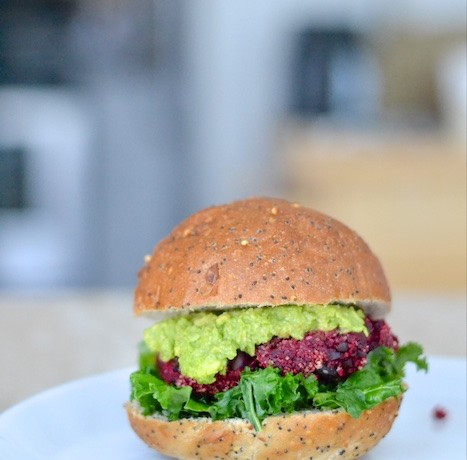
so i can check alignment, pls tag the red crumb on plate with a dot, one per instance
(439, 413)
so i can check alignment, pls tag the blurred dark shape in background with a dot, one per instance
(31, 42)
(119, 118)
(12, 189)
(334, 73)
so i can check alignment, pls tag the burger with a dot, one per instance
(269, 339)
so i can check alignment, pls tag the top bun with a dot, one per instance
(261, 252)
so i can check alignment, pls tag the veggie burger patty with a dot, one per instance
(330, 356)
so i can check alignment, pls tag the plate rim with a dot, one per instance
(9, 421)
(60, 388)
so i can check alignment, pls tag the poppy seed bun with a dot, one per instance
(300, 435)
(261, 252)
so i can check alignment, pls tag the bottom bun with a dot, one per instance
(300, 435)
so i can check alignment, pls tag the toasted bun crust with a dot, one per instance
(301, 435)
(261, 252)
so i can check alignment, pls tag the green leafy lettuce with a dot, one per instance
(380, 379)
(266, 392)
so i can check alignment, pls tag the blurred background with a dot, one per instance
(119, 118)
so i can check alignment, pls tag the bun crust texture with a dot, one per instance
(300, 435)
(261, 252)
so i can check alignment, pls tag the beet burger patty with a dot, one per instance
(330, 356)
(272, 322)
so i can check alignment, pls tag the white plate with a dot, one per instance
(85, 419)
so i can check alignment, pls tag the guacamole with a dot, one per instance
(204, 341)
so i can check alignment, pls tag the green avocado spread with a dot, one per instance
(204, 341)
